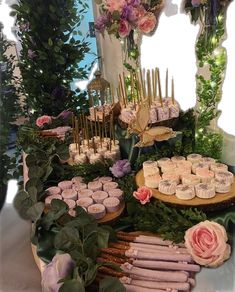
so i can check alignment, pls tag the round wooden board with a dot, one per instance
(220, 201)
(110, 217)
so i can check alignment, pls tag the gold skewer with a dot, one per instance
(125, 89)
(99, 128)
(122, 90)
(159, 86)
(95, 123)
(172, 91)
(91, 126)
(153, 85)
(149, 87)
(166, 83)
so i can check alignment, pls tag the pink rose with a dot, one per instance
(147, 23)
(115, 5)
(206, 242)
(43, 120)
(136, 13)
(124, 28)
(143, 194)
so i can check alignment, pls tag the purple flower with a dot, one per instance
(101, 22)
(126, 12)
(65, 115)
(60, 267)
(31, 54)
(121, 168)
(134, 3)
(196, 3)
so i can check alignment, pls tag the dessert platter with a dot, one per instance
(196, 182)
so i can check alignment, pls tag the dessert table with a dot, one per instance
(16, 253)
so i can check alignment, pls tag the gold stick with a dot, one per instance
(113, 129)
(166, 83)
(156, 82)
(153, 84)
(132, 88)
(159, 86)
(122, 90)
(91, 126)
(172, 91)
(143, 83)
(87, 131)
(99, 128)
(103, 121)
(112, 93)
(95, 123)
(125, 89)
(149, 88)
(110, 131)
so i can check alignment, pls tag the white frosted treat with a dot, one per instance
(112, 155)
(205, 190)
(185, 164)
(77, 180)
(194, 157)
(116, 143)
(222, 186)
(127, 115)
(105, 179)
(199, 165)
(176, 159)
(152, 181)
(85, 193)
(70, 203)
(73, 153)
(168, 167)
(174, 111)
(95, 186)
(99, 196)
(96, 157)
(50, 198)
(150, 167)
(110, 186)
(88, 151)
(101, 150)
(182, 171)
(226, 175)
(70, 194)
(53, 191)
(85, 202)
(80, 158)
(81, 186)
(185, 192)
(97, 210)
(153, 115)
(167, 187)
(106, 140)
(72, 212)
(218, 167)
(190, 179)
(171, 176)
(162, 161)
(111, 204)
(205, 175)
(163, 113)
(73, 146)
(66, 184)
(208, 160)
(117, 193)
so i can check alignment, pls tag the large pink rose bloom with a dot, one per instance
(43, 120)
(147, 23)
(115, 5)
(206, 242)
(124, 29)
(143, 194)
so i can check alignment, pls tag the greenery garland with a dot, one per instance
(211, 57)
(9, 109)
(50, 56)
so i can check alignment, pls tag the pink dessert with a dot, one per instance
(153, 115)
(111, 204)
(162, 161)
(167, 187)
(66, 184)
(177, 159)
(168, 167)
(110, 186)
(70, 194)
(194, 157)
(150, 167)
(208, 160)
(85, 193)
(225, 175)
(117, 193)
(152, 181)
(99, 196)
(70, 203)
(174, 111)
(199, 165)
(105, 179)
(163, 113)
(190, 179)
(53, 191)
(218, 167)
(185, 164)
(95, 186)
(84, 202)
(205, 190)
(97, 210)
(171, 176)
(222, 186)
(79, 187)
(50, 198)
(185, 192)
(77, 180)
(205, 175)
(72, 213)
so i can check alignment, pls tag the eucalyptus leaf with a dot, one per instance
(72, 286)
(67, 239)
(111, 284)
(103, 238)
(35, 212)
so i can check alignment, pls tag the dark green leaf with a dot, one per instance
(72, 286)
(111, 284)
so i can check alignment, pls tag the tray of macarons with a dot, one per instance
(192, 181)
(101, 197)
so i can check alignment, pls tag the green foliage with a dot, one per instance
(9, 107)
(50, 55)
(111, 284)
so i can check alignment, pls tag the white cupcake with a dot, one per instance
(205, 190)
(167, 187)
(185, 192)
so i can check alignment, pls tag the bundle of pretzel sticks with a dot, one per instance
(149, 264)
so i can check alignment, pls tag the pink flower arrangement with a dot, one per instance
(206, 242)
(121, 17)
(143, 194)
(43, 120)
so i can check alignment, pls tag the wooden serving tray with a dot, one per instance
(219, 202)
(110, 217)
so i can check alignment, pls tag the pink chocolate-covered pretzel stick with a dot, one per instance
(166, 265)
(150, 247)
(154, 240)
(158, 275)
(156, 285)
(157, 255)
(133, 288)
